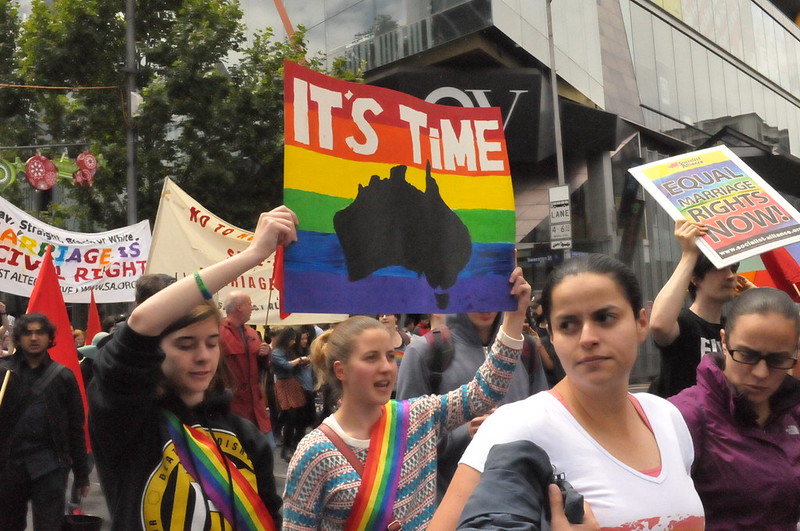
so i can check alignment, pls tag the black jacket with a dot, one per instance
(512, 493)
(65, 415)
(136, 460)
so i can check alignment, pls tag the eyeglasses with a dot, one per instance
(751, 357)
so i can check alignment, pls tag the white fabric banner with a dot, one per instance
(188, 237)
(108, 262)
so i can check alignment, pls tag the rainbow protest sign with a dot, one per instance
(404, 206)
(744, 214)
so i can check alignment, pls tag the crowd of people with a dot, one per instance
(514, 420)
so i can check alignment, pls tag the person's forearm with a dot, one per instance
(669, 301)
(152, 316)
(274, 228)
(512, 324)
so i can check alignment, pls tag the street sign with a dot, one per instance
(560, 218)
(561, 231)
(560, 212)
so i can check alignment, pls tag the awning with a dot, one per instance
(588, 130)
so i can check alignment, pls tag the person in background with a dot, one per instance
(537, 329)
(41, 430)
(423, 325)
(8, 345)
(325, 487)
(268, 383)
(308, 418)
(744, 417)
(446, 359)
(111, 323)
(150, 284)
(628, 455)
(6, 321)
(288, 390)
(409, 323)
(79, 337)
(399, 337)
(86, 357)
(241, 347)
(169, 451)
(683, 336)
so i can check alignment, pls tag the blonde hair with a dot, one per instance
(336, 344)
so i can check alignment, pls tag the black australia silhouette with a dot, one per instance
(391, 222)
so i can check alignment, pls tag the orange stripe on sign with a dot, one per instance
(393, 144)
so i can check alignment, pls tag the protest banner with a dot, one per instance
(404, 206)
(188, 237)
(745, 216)
(109, 262)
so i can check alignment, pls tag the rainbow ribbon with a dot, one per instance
(374, 503)
(201, 458)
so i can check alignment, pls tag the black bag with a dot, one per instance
(81, 522)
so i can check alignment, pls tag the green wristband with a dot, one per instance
(202, 286)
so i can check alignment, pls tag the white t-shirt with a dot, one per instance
(620, 497)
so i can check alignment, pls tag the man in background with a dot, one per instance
(41, 430)
(684, 335)
(241, 346)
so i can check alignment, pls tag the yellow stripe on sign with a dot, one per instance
(313, 172)
(689, 161)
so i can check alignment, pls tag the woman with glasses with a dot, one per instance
(744, 417)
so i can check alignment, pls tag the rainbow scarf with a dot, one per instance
(374, 503)
(203, 461)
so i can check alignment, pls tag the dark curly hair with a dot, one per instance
(22, 323)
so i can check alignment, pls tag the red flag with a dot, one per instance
(93, 325)
(46, 298)
(784, 270)
(277, 279)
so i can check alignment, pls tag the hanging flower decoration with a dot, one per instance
(87, 167)
(83, 178)
(40, 172)
(87, 161)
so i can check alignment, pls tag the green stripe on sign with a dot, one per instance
(489, 226)
(316, 211)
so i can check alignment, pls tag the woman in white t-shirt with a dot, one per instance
(628, 455)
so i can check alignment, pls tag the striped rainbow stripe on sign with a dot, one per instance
(326, 169)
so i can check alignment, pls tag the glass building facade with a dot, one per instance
(695, 61)
(707, 60)
(678, 71)
(677, 74)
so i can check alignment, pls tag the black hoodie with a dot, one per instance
(144, 484)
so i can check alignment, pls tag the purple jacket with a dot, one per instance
(747, 477)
